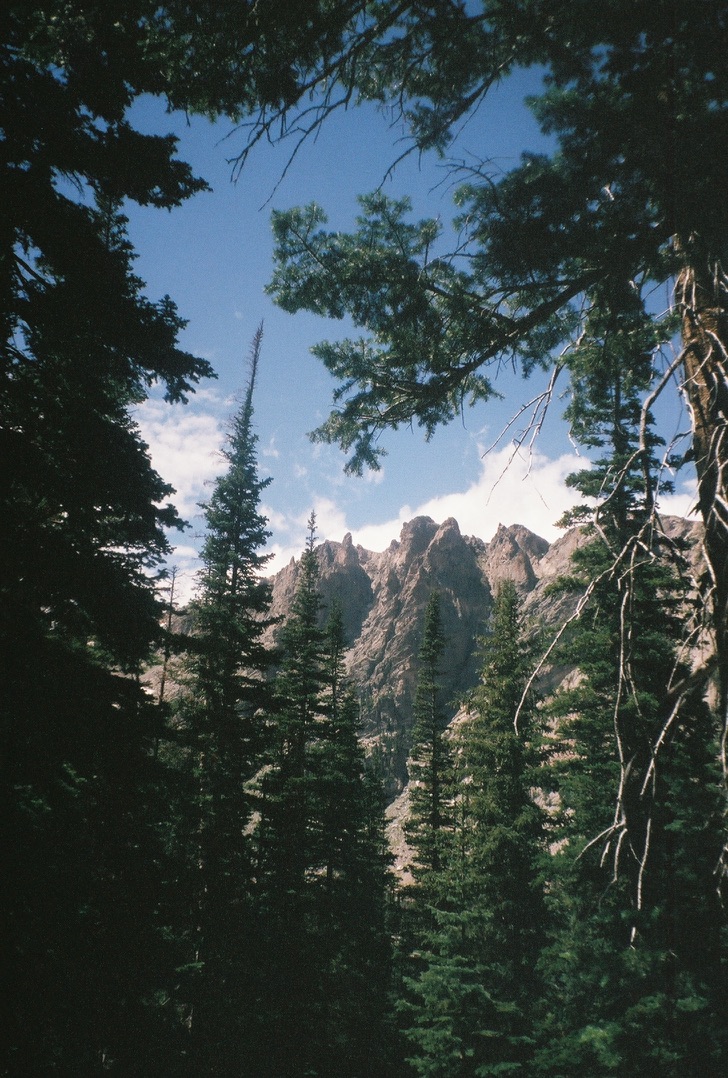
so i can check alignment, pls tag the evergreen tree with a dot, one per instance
(355, 856)
(636, 967)
(83, 541)
(429, 819)
(630, 885)
(322, 863)
(472, 1006)
(85, 794)
(430, 764)
(220, 716)
(289, 789)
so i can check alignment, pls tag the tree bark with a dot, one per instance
(702, 297)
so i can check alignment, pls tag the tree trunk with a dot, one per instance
(702, 297)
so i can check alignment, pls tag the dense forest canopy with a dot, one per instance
(200, 885)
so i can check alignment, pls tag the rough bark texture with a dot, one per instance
(702, 296)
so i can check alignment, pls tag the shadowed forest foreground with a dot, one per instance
(198, 880)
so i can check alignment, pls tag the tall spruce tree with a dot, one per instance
(634, 984)
(83, 540)
(84, 798)
(322, 863)
(356, 1035)
(472, 1006)
(429, 819)
(84, 795)
(430, 764)
(289, 797)
(220, 719)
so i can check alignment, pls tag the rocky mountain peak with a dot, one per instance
(513, 554)
(383, 596)
(417, 534)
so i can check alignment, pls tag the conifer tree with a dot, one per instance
(608, 210)
(83, 540)
(322, 863)
(472, 1005)
(430, 764)
(429, 820)
(630, 885)
(290, 873)
(355, 859)
(226, 693)
(285, 833)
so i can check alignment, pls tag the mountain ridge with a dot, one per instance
(383, 596)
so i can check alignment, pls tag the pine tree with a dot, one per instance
(635, 984)
(429, 821)
(220, 716)
(430, 764)
(630, 884)
(472, 1006)
(285, 834)
(85, 518)
(355, 859)
(322, 862)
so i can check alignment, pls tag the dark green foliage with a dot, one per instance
(383, 277)
(636, 986)
(471, 1006)
(630, 94)
(85, 865)
(229, 613)
(633, 95)
(290, 786)
(220, 720)
(84, 513)
(430, 763)
(322, 864)
(88, 891)
(83, 538)
(156, 925)
(636, 967)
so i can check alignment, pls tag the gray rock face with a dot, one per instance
(383, 598)
(513, 554)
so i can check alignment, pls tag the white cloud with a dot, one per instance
(530, 491)
(524, 490)
(185, 448)
(330, 520)
(202, 394)
(185, 554)
(271, 450)
(280, 557)
(185, 562)
(374, 476)
(683, 503)
(290, 532)
(277, 521)
(379, 536)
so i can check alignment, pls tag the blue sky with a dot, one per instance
(213, 256)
